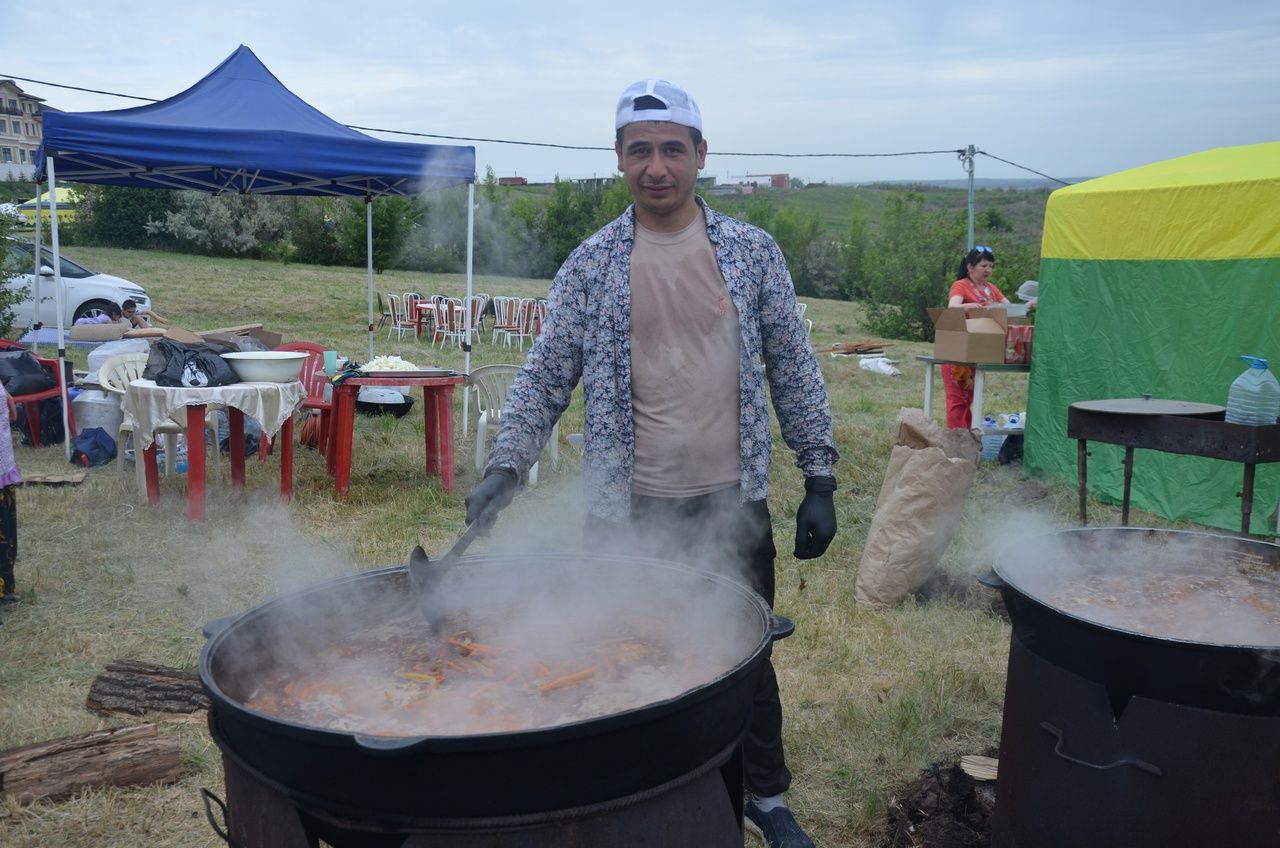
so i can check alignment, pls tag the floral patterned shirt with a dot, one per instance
(587, 336)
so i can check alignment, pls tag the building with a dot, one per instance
(20, 131)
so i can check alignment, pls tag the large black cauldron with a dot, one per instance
(498, 774)
(1142, 704)
(1238, 675)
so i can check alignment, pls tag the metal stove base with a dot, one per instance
(1162, 774)
(702, 809)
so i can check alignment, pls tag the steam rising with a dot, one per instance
(1168, 584)
(646, 630)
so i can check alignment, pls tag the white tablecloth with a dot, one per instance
(147, 405)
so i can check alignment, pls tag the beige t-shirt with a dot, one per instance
(685, 346)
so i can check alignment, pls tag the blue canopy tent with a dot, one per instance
(240, 130)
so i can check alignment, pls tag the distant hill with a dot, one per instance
(981, 182)
(1018, 205)
(1018, 211)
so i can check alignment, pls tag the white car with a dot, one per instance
(88, 292)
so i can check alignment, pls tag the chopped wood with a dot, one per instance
(58, 769)
(979, 768)
(71, 478)
(137, 688)
(859, 347)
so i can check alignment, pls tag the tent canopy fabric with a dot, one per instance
(1155, 281)
(1217, 204)
(240, 130)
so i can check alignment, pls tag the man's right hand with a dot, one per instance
(489, 496)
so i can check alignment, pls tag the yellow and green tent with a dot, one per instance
(1154, 281)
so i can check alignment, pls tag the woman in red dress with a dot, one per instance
(974, 288)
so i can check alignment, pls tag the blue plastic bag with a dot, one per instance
(92, 446)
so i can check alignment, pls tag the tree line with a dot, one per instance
(900, 264)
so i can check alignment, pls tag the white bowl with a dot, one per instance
(267, 366)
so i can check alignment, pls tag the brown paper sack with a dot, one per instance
(919, 509)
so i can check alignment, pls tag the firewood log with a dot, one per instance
(58, 769)
(130, 686)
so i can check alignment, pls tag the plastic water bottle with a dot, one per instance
(1254, 397)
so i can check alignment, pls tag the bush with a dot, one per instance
(118, 216)
(10, 267)
(910, 266)
(223, 224)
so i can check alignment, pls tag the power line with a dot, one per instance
(610, 149)
(470, 138)
(1023, 167)
(78, 88)
(576, 146)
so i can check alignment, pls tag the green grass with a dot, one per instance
(871, 696)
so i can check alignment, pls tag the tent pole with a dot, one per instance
(368, 252)
(35, 276)
(466, 339)
(59, 299)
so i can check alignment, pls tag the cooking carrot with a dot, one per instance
(419, 676)
(468, 649)
(541, 669)
(568, 680)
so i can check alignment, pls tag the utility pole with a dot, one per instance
(966, 160)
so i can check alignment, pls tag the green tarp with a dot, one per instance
(1155, 281)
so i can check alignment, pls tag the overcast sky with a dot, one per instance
(1083, 89)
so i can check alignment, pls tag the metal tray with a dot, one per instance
(421, 372)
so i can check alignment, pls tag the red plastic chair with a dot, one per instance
(31, 402)
(314, 380)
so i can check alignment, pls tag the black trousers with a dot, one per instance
(716, 532)
(8, 538)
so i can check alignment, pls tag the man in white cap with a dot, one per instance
(666, 314)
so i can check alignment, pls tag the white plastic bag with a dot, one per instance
(879, 365)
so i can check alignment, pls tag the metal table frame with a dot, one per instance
(979, 368)
(1210, 437)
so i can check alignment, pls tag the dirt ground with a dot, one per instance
(943, 808)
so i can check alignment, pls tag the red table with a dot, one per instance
(271, 404)
(437, 411)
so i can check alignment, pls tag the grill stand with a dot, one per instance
(1210, 437)
(703, 808)
(1074, 773)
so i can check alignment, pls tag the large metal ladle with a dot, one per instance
(424, 574)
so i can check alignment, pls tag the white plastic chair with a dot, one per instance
(114, 376)
(491, 384)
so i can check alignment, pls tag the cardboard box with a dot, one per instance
(233, 335)
(969, 334)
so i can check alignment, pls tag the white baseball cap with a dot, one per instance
(679, 107)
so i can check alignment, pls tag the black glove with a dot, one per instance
(490, 495)
(816, 518)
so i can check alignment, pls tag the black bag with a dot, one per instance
(1011, 450)
(200, 365)
(22, 373)
(51, 432)
(93, 446)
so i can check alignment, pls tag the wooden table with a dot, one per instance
(437, 412)
(979, 368)
(146, 405)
